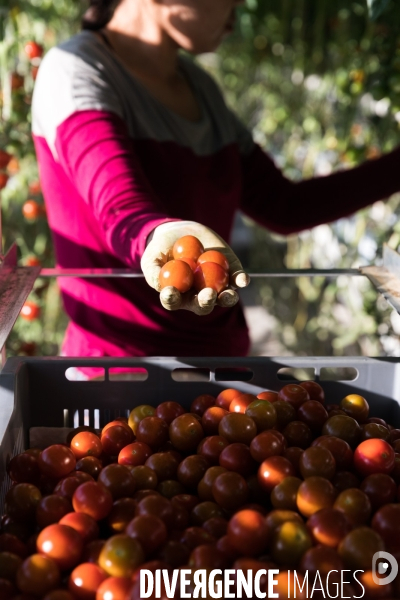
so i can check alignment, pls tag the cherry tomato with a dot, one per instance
(355, 406)
(22, 501)
(313, 414)
(294, 394)
(5, 158)
(291, 540)
(191, 470)
(33, 50)
(248, 532)
(86, 443)
(225, 397)
(61, 543)
(263, 414)
(57, 461)
(339, 448)
(51, 509)
(230, 490)
(10, 543)
(149, 530)
(187, 246)
(115, 438)
(210, 275)
(118, 480)
(164, 464)
(186, 433)
(328, 526)
(211, 448)
(298, 434)
(157, 506)
(214, 256)
(284, 495)
(343, 427)
(266, 444)
(386, 522)
(152, 431)
(241, 402)
(32, 210)
(269, 396)
(317, 461)
(138, 413)
(24, 468)
(343, 480)
(3, 180)
(359, 546)
(201, 403)
(134, 454)
(168, 411)
(355, 505)
(285, 413)
(90, 465)
(274, 470)
(211, 419)
(216, 526)
(93, 499)
(84, 524)
(236, 427)
(275, 518)
(176, 273)
(85, 580)
(204, 489)
(374, 430)
(315, 391)
(37, 575)
(114, 588)
(314, 494)
(58, 595)
(237, 457)
(374, 456)
(30, 311)
(121, 555)
(380, 489)
(122, 512)
(322, 560)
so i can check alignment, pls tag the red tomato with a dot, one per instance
(32, 210)
(201, 403)
(35, 188)
(84, 524)
(225, 397)
(114, 588)
(32, 261)
(215, 257)
(24, 468)
(386, 522)
(93, 499)
(51, 509)
(314, 390)
(187, 246)
(294, 394)
(134, 454)
(86, 443)
(270, 396)
(178, 274)
(30, 311)
(61, 543)
(210, 275)
(248, 532)
(57, 461)
(37, 575)
(85, 580)
(4, 159)
(374, 456)
(33, 50)
(3, 180)
(17, 81)
(274, 470)
(149, 530)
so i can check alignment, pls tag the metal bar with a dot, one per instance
(127, 273)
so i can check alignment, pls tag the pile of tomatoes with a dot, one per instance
(278, 480)
(192, 267)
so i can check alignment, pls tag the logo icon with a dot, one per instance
(384, 563)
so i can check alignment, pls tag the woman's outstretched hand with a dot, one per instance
(201, 303)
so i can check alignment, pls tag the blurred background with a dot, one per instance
(318, 83)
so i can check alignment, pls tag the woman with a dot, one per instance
(136, 148)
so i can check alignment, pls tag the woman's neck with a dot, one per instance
(140, 42)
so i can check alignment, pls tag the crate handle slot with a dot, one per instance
(127, 374)
(191, 374)
(74, 374)
(233, 374)
(296, 374)
(338, 374)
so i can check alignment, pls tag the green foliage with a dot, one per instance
(318, 81)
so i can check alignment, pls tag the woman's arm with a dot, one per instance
(287, 207)
(94, 148)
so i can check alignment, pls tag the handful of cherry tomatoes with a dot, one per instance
(193, 267)
(273, 481)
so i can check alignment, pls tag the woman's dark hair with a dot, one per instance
(98, 14)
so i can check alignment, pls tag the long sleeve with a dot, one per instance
(94, 149)
(287, 207)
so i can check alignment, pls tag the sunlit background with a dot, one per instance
(318, 82)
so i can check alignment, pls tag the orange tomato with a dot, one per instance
(215, 257)
(32, 210)
(30, 311)
(210, 275)
(187, 246)
(178, 274)
(86, 443)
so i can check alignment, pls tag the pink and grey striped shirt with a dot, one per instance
(115, 163)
